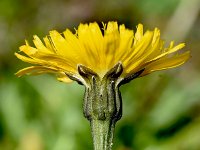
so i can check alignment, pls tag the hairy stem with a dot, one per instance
(102, 133)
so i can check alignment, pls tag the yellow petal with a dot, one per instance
(167, 63)
(28, 59)
(172, 50)
(39, 45)
(139, 53)
(75, 47)
(49, 44)
(111, 41)
(87, 37)
(50, 60)
(126, 40)
(35, 70)
(137, 64)
(60, 44)
(138, 34)
(28, 50)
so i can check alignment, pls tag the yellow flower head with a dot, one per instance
(63, 53)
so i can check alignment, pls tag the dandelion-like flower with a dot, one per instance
(101, 62)
(62, 53)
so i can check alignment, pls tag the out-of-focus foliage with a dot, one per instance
(160, 111)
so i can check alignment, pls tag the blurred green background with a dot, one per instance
(160, 111)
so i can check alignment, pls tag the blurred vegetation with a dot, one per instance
(160, 111)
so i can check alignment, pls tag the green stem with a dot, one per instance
(102, 133)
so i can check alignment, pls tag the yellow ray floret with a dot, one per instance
(100, 51)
